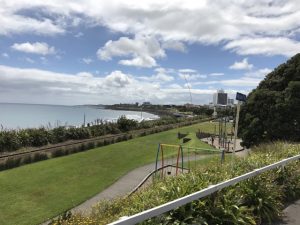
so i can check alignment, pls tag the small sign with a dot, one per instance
(240, 97)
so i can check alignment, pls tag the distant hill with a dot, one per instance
(272, 110)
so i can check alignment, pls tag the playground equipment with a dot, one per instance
(169, 161)
(224, 140)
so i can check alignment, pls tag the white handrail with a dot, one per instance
(197, 195)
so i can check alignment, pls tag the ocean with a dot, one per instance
(18, 116)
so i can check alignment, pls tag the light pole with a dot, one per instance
(236, 125)
(240, 98)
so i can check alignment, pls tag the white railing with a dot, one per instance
(197, 195)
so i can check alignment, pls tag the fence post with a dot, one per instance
(223, 156)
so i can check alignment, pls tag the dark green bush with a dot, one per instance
(39, 157)
(83, 147)
(38, 137)
(12, 162)
(143, 134)
(106, 142)
(119, 139)
(99, 143)
(57, 153)
(11, 140)
(90, 145)
(26, 159)
(58, 135)
(125, 124)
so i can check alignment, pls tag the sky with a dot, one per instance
(106, 52)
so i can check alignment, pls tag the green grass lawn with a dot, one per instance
(33, 193)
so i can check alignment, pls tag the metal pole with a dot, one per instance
(219, 132)
(236, 125)
(181, 158)
(157, 155)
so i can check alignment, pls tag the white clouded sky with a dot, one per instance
(79, 52)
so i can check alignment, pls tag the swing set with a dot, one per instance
(169, 161)
(165, 161)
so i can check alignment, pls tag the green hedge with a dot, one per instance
(12, 140)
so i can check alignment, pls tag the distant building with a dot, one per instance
(220, 98)
(146, 103)
(189, 105)
(215, 114)
(230, 101)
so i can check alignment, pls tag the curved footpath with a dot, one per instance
(291, 215)
(121, 187)
(129, 181)
(125, 185)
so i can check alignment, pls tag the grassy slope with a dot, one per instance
(35, 192)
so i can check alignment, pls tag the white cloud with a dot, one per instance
(87, 60)
(193, 91)
(36, 86)
(261, 73)
(235, 23)
(174, 45)
(118, 79)
(40, 48)
(243, 65)
(158, 78)
(187, 85)
(242, 82)
(164, 70)
(85, 74)
(162, 76)
(191, 76)
(142, 50)
(187, 71)
(216, 74)
(264, 46)
(12, 23)
(139, 61)
(174, 86)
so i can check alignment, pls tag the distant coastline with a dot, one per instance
(22, 115)
(158, 112)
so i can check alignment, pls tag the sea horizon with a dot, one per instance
(23, 115)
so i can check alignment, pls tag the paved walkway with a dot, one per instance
(291, 215)
(125, 185)
(239, 147)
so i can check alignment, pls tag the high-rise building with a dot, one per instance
(220, 98)
(230, 101)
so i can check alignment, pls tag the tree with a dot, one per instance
(125, 124)
(272, 110)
